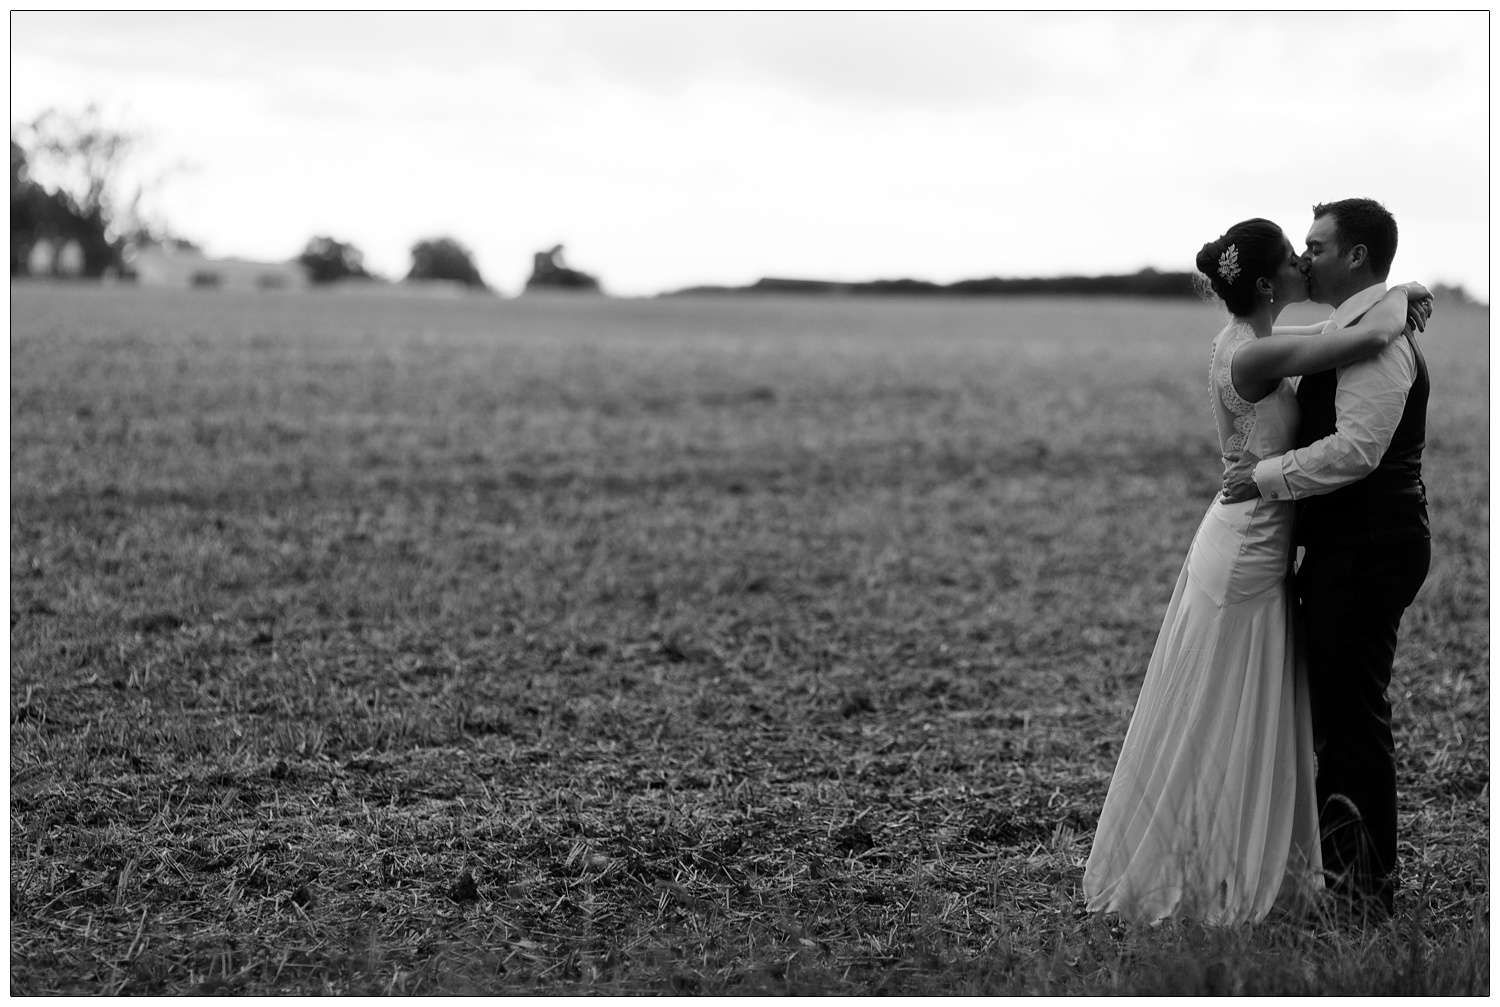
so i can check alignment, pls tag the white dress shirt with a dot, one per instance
(1368, 405)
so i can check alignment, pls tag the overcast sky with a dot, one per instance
(674, 149)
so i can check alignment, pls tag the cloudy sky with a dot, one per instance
(674, 149)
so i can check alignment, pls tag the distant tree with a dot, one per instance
(444, 259)
(328, 259)
(549, 272)
(67, 172)
(1453, 292)
(35, 213)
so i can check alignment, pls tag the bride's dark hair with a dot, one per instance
(1232, 262)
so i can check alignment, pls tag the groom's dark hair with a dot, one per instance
(1364, 222)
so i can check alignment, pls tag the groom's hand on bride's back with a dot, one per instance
(1239, 478)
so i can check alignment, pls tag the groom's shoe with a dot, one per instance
(1361, 893)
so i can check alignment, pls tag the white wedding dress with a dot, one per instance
(1211, 813)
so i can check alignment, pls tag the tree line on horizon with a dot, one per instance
(89, 216)
(88, 221)
(1145, 283)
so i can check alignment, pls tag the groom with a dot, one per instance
(1356, 477)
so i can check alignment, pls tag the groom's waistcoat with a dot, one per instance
(1389, 504)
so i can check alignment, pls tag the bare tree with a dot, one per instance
(80, 156)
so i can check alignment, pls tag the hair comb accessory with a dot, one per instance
(1229, 264)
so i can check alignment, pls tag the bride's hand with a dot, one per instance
(1418, 305)
(1417, 313)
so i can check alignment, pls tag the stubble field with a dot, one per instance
(373, 643)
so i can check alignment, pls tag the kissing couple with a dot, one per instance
(1259, 770)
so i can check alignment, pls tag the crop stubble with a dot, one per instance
(378, 643)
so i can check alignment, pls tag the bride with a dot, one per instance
(1211, 811)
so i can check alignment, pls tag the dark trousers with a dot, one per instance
(1352, 601)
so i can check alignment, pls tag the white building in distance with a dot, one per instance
(164, 266)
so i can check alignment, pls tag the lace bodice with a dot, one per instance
(1263, 428)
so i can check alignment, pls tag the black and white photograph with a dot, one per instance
(724, 503)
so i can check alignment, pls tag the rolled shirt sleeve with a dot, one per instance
(1368, 405)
